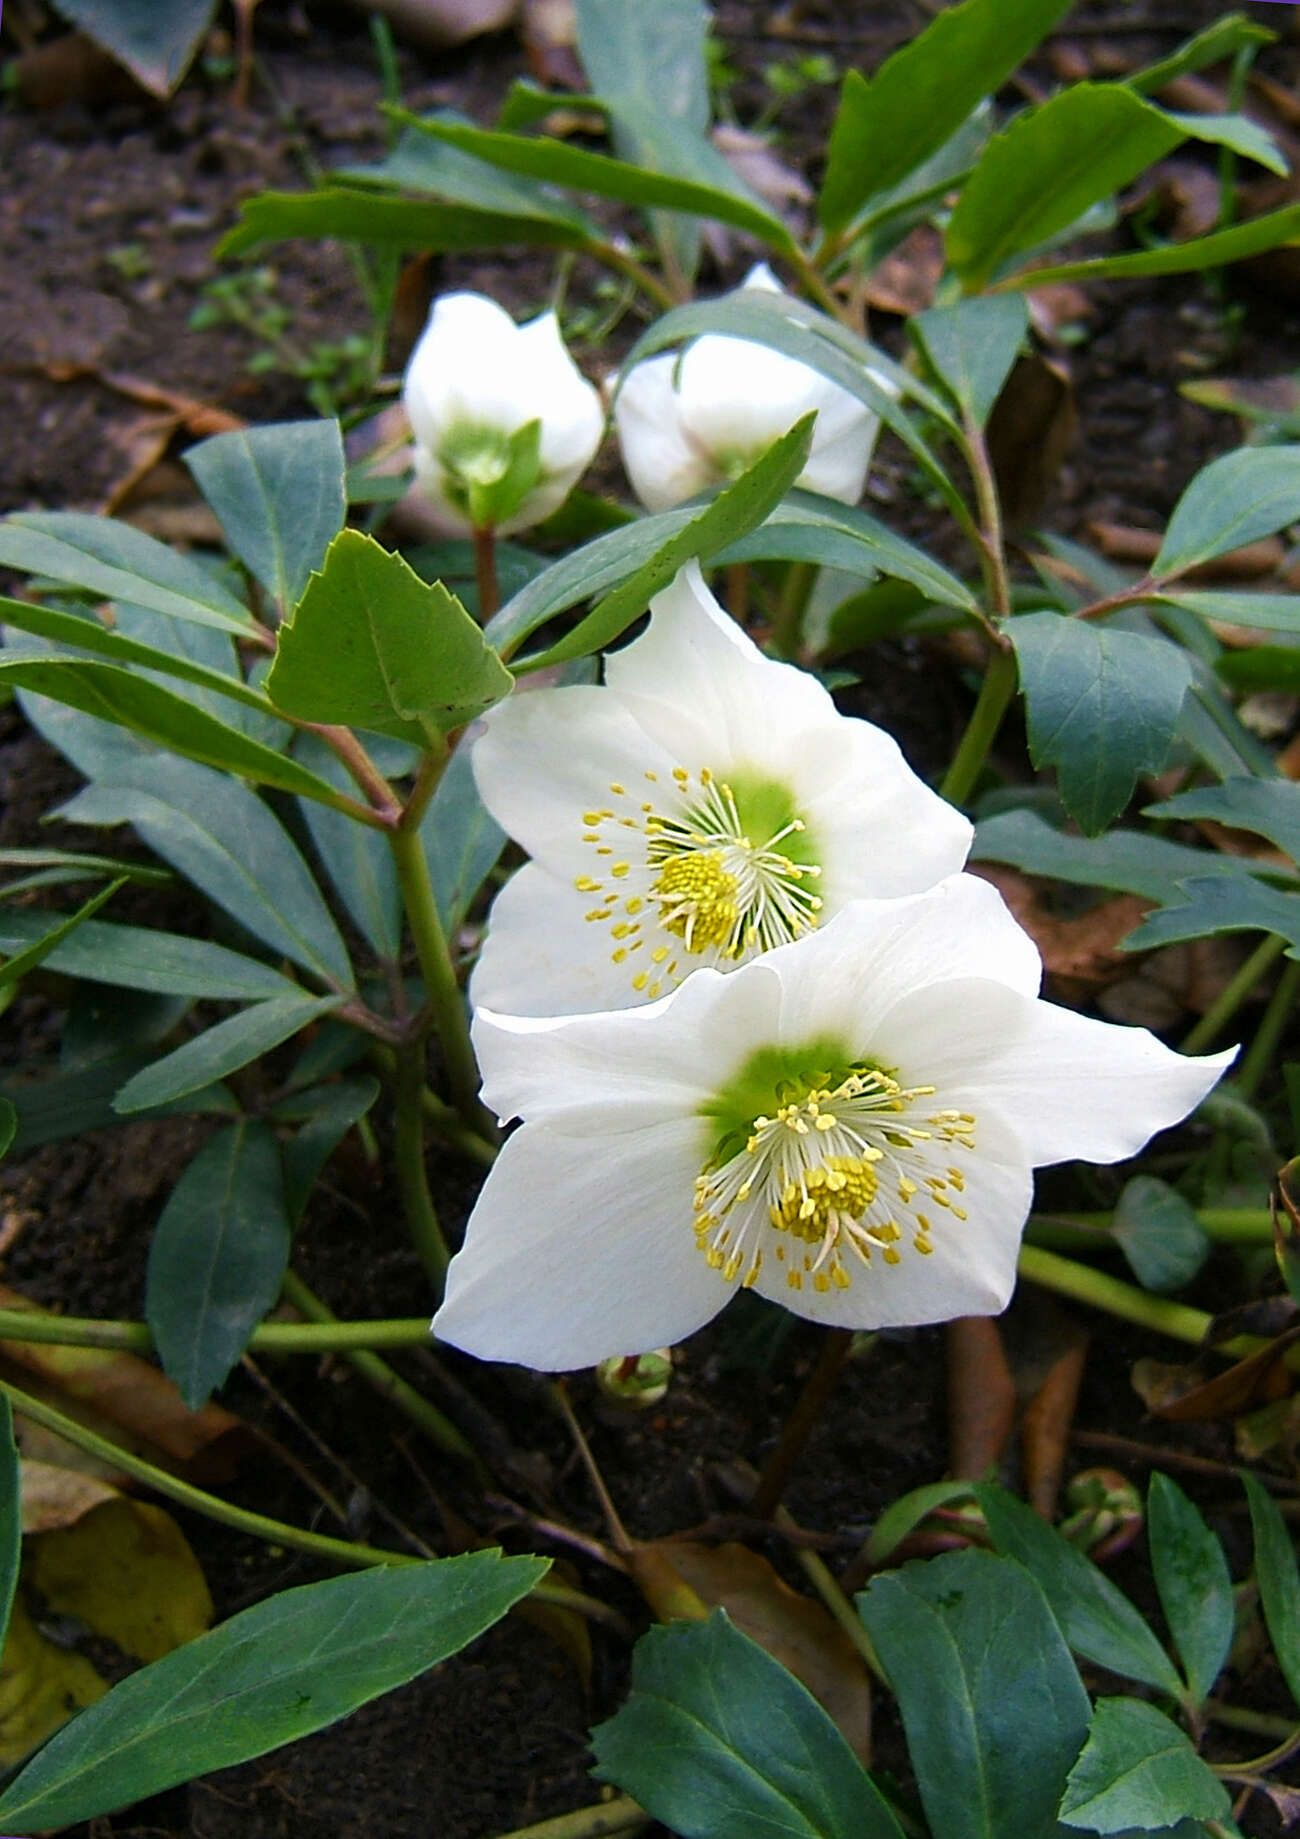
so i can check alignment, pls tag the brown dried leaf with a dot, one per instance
(126, 1570)
(550, 33)
(53, 1497)
(72, 68)
(119, 1390)
(798, 1632)
(1181, 1393)
(433, 25)
(1124, 543)
(905, 282)
(1082, 950)
(1047, 1422)
(1030, 432)
(981, 1397)
(751, 157)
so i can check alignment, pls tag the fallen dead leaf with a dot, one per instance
(433, 25)
(53, 1496)
(1182, 1392)
(981, 1397)
(751, 158)
(1123, 543)
(549, 29)
(1082, 950)
(798, 1632)
(1030, 431)
(41, 1685)
(1047, 1421)
(905, 281)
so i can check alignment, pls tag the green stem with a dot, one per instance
(1082, 1284)
(602, 1818)
(412, 1177)
(996, 693)
(275, 1532)
(992, 550)
(439, 972)
(816, 287)
(1259, 1055)
(827, 1586)
(787, 623)
(632, 270)
(1073, 1232)
(378, 1374)
(445, 1121)
(347, 749)
(1258, 1723)
(1232, 995)
(322, 1335)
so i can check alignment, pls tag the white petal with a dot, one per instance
(879, 829)
(541, 958)
(841, 980)
(737, 396)
(431, 480)
(581, 1248)
(568, 407)
(467, 367)
(838, 465)
(971, 1270)
(761, 277)
(664, 1059)
(547, 756)
(661, 463)
(1075, 1087)
(705, 691)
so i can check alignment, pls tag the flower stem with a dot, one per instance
(323, 1334)
(441, 987)
(1258, 1056)
(485, 573)
(818, 1387)
(412, 1177)
(632, 270)
(1232, 995)
(1099, 1290)
(827, 1586)
(378, 1374)
(275, 1532)
(787, 622)
(346, 748)
(601, 1819)
(996, 692)
(1093, 1231)
(992, 550)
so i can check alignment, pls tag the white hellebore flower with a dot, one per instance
(705, 805)
(504, 422)
(685, 424)
(847, 1125)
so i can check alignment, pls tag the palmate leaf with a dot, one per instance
(1234, 500)
(972, 346)
(1129, 861)
(140, 958)
(1208, 904)
(1102, 707)
(373, 646)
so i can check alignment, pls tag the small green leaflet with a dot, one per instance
(1138, 1771)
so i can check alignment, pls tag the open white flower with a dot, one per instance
(685, 424)
(847, 1125)
(504, 422)
(706, 805)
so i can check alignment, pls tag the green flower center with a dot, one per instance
(822, 1162)
(723, 868)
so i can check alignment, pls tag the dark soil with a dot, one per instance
(110, 215)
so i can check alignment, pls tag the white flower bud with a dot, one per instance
(504, 422)
(685, 424)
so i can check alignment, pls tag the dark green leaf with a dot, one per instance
(16, 967)
(11, 1517)
(991, 1701)
(737, 509)
(1214, 251)
(69, 1103)
(558, 163)
(139, 958)
(1221, 903)
(462, 841)
(1195, 1586)
(718, 1741)
(117, 562)
(373, 646)
(1271, 612)
(382, 222)
(277, 491)
(63, 628)
(271, 1674)
(1047, 168)
(1139, 1770)
(52, 867)
(1102, 707)
(8, 1131)
(111, 693)
(888, 124)
(1097, 1620)
(326, 1113)
(1268, 807)
(1126, 860)
(972, 346)
(1278, 1578)
(156, 43)
(220, 835)
(419, 164)
(1159, 1233)
(906, 1513)
(220, 1050)
(808, 527)
(216, 1264)
(1233, 500)
(356, 857)
(245, 706)
(1263, 667)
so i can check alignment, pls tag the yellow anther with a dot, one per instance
(619, 791)
(620, 869)
(585, 885)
